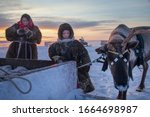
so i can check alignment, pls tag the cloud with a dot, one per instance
(102, 29)
(10, 11)
(88, 24)
(9, 5)
(54, 22)
(5, 20)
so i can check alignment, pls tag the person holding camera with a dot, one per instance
(24, 36)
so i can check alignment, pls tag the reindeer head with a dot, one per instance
(118, 56)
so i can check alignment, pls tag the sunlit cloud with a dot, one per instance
(91, 19)
(54, 22)
(11, 11)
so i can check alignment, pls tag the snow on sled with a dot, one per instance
(41, 80)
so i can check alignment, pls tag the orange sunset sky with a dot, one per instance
(92, 19)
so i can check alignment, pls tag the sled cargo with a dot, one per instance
(46, 80)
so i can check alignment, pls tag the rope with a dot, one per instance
(95, 60)
(87, 64)
(125, 52)
(4, 71)
(25, 42)
(30, 52)
(25, 51)
(113, 52)
(101, 59)
(19, 48)
(20, 45)
(116, 53)
(9, 78)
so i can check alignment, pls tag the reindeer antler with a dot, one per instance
(131, 34)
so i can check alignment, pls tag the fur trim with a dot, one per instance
(63, 27)
(64, 40)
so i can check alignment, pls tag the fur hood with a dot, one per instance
(63, 27)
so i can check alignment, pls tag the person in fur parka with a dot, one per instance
(24, 36)
(68, 49)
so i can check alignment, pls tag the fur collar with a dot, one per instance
(64, 40)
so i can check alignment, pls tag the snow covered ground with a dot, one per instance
(103, 80)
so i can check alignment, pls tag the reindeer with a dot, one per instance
(121, 57)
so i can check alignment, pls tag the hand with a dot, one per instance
(29, 34)
(26, 29)
(20, 31)
(57, 58)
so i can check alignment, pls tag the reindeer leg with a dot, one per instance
(142, 86)
(119, 95)
(122, 95)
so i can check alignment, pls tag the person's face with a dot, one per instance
(25, 21)
(66, 34)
